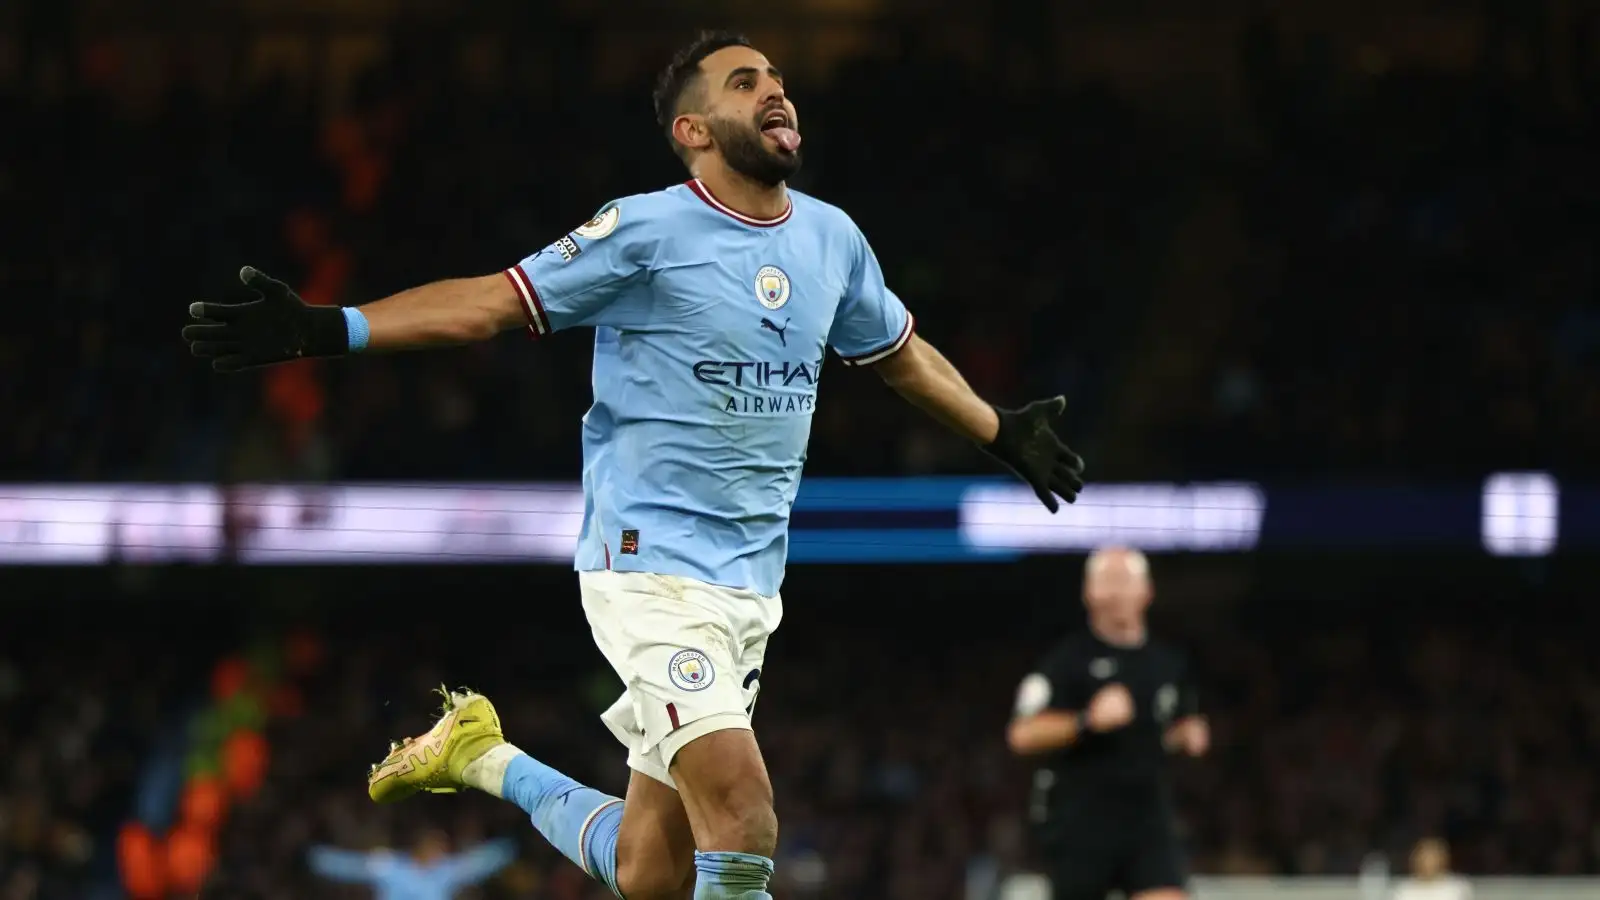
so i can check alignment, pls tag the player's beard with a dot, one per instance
(745, 150)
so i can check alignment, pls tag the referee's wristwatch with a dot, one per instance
(1080, 724)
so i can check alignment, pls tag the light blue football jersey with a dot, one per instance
(710, 332)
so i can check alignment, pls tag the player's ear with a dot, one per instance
(691, 132)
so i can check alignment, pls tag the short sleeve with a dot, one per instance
(871, 322)
(1033, 695)
(1054, 684)
(590, 276)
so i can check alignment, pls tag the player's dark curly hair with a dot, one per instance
(682, 78)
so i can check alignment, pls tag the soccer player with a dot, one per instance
(430, 872)
(713, 304)
(1098, 713)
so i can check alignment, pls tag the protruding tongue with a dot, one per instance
(787, 138)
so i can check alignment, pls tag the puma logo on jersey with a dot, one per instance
(769, 325)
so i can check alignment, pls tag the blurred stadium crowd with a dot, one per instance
(1420, 276)
(1333, 741)
(1375, 269)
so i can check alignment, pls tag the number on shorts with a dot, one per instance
(754, 678)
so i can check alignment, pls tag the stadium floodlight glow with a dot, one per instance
(413, 523)
(1206, 517)
(66, 524)
(90, 524)
(836, 520)
(1521, 514)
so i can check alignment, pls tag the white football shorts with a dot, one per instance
(689, 655)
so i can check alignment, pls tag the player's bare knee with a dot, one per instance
(646, 871)
(748, 824)
(643, 876)
(737, 815)
(655, 846)
(727, 793)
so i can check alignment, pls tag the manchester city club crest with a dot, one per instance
(690, 670)
(772, 287)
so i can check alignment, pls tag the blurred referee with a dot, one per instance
(1099, 714)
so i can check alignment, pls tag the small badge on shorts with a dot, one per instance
(630, 542)
(690, 670)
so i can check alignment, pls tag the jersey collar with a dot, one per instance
(704, 193)
(1144, 638)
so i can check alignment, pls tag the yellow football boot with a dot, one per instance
(433, 762)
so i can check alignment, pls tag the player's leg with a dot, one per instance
(641, 848)
(655, 847)
(694, 670)
(728, 798)
(466, 748)
(1083, 853)
(1080, 876)
(644, 624)
(656, 844)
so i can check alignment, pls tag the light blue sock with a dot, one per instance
(579, 821)
(731, 876)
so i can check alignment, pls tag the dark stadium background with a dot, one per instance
(1342, 253)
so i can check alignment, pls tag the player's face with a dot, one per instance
(751, 120)
(431, 846)
(1118, 586)
(1429, 860)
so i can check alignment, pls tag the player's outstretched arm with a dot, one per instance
(278, 326)
(1022, 439)
(344, 865)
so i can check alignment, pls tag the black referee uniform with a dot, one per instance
(1101, 812)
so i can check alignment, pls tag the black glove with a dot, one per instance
(275, 327)
(1029, 447)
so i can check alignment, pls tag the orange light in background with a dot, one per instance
(294, 394)
(205, 803)
(229, 678)
(190, 855)
(364, 178)
(324, 285)
(244, 763)
(142, 863)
